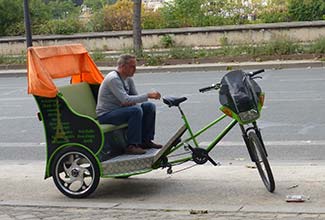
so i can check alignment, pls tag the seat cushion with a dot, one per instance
(110, 127)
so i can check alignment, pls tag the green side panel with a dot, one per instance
(62, 126)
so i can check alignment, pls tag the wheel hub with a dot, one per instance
(75, 173)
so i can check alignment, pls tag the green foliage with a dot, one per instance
(318, 46)
(181, 52)
(224, 41)
(16, 29)
(306, 10)
(282, 47)
(274, 47)
(96, 22)
(97, 55)
(66, 26)
(182, 13)
(21, 59)
(11, 13)
(56, 16)
(167, 41)
(95, 5)
(39, 11)
(118, 16)
(44, 15)
(151, 19)
(273, 14)
(62, 9)
(153, 60)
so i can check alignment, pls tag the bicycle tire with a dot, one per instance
(261, 161)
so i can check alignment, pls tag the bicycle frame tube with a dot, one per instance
(198, 133)
(193, 136)
(221, 135)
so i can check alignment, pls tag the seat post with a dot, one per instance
(180, 110)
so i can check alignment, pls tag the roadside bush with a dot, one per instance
(182, 13)
(167, 41)
(273, 14)
(182, 52)
(318, 46)
(11, 13)
(282, 47)
(97, 55)
(21, 59)
(66, 26)
(118, 16)
(96, 22)
(151, 19)
(306, 10)
(153, 60)
(16, 29)
(220, 12)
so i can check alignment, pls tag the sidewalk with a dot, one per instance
(20, 71)
(230, 191)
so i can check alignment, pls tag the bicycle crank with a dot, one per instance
(201, 156)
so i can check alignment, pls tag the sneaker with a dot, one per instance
(132, 149)
(150, 144)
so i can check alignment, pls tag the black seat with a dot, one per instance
(173, 101)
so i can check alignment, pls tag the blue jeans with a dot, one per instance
(141, 121)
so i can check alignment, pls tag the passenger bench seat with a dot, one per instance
(81, 99)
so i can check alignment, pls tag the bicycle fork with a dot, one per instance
(251, 152)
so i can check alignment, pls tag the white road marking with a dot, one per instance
(16, 99)
(202, 144)
(22, 144)
(16, 117)
(271, 143)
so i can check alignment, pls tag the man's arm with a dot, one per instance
(133, 91)
(119, 92)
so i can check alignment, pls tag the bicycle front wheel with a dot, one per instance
(261, 161)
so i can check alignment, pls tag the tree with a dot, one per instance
(11, 13)
(137, 30)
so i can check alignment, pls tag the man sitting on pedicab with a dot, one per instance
(119, 103)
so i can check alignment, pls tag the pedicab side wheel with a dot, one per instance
(261, 162)
(75, 172)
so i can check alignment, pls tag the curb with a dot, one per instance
(199, 67)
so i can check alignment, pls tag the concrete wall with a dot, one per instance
(200, 37)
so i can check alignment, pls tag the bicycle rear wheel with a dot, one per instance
(261, 161)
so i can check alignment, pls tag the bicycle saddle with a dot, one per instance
(173, 101)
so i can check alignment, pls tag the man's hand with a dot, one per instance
(154, 95)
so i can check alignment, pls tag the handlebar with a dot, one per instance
(208, 88)
(251, 74)
(218, 85)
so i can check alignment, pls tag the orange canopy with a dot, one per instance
(50, 62)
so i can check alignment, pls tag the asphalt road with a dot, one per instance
(292, 121)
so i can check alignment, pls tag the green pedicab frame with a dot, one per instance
(79, 150)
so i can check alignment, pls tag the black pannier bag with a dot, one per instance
(239, 93)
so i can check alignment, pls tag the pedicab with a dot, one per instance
(80, 150)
